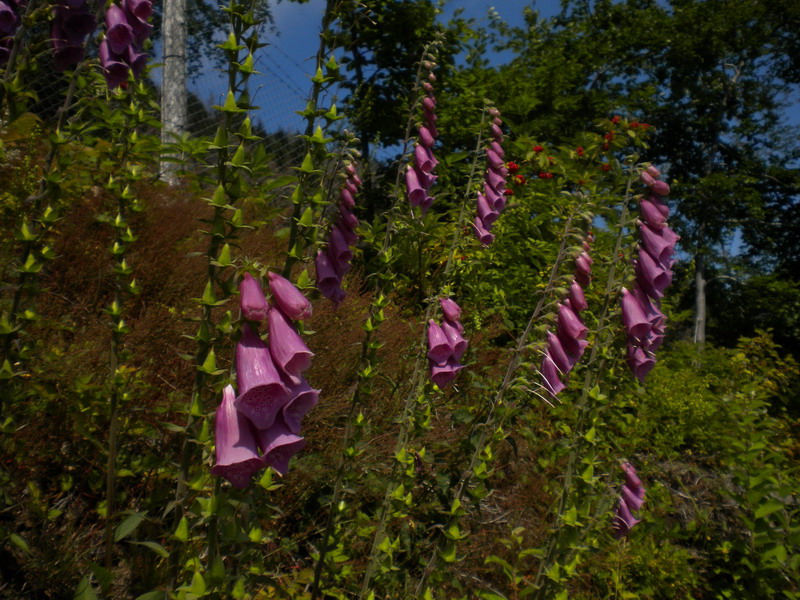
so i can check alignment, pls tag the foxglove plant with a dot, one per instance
(641, 310)
(630, 502)
(72, 22)
(121, 49)
(446, 345)
(419, 177)
(333, 262)
(273, 394)
(566, 347)
(492, 201)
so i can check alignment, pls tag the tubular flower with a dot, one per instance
(72, 22)
(262, 392)
(252, 301)
(236, 450)
(641, 312)
(279, 444)
(491, 203)
(9, 22)
(334, 262)
(126, 31)
(630, 501)
(288, 298)
(419, 177)
(566, 347)
(446, 344)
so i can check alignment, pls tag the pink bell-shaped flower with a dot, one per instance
(486, 213)
(484, 235)
(640, 362)
(252, 301)
(262, 394)
(288, 298)
(552, 382)
(456, 340)
(118, 32)
(328, 280)
(303, 399)
(577, 299)
(279, 445)
(652, 214)
(659, 243)
(636, 323)
(288, 351)
(439, 347)
(443, 374)
(415, 191)
(235, 444)
(450, 310)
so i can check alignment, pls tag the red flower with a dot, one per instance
(644, 125)
(551, 160)
(508, 192)
(616, 119)
(609, 136)
(538, 148)
(579, 150)
(512, 167)
(634, 124)
(545, 175)
(605, 167)
(519, 179)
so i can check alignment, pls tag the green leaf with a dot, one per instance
(154, 595)
(768, 508)
(157, 548)
(307, 219)
(182, 530)
(129, 525)
(19, 542)
(84, 591)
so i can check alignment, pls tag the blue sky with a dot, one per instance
(287, 62)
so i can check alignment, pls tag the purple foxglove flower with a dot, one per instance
(483, 234)
(497, 121)
(653, 171)
(577, 298)
(303, 399)
(659, 187)
(495, 198)
(355, 179)
(351, 187)
(631, 499)
(115, 71)
(497, 148)
(652, 278)
(496, 132)
(66, 55)
(441, 375)
(659, 243)
(118, 32)
(426, 204)
(647, 178)
(552, 382)
(236, 450)
(279, 445)
(632, 479)
(424, 159)
(141, 9)
(288, 298)
(496, 180)
(427, 87)
(347, 198)
(432, 126)
(429, 103)
(450, 310)
(415, 191)
(328, 280)
(583, 264)
(486, 213)
(347, 220)
(456, 340)
(262, 393)
(426, 180)
(350, 168)
(8, 19)
(426, 138)
(624, 520)
(350, 236)
(339, 250)
(494, 159)
(439, 347)
(75, 22)
(137, 61)
(640, 362)
(660, 205)
(633, 316)
(654, 340)
(652, 214)
(141, 30)
(288, 351)
(556, 353)
(570, 323)
(251, 299)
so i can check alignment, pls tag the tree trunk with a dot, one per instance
(173, 84)
(699, 299)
